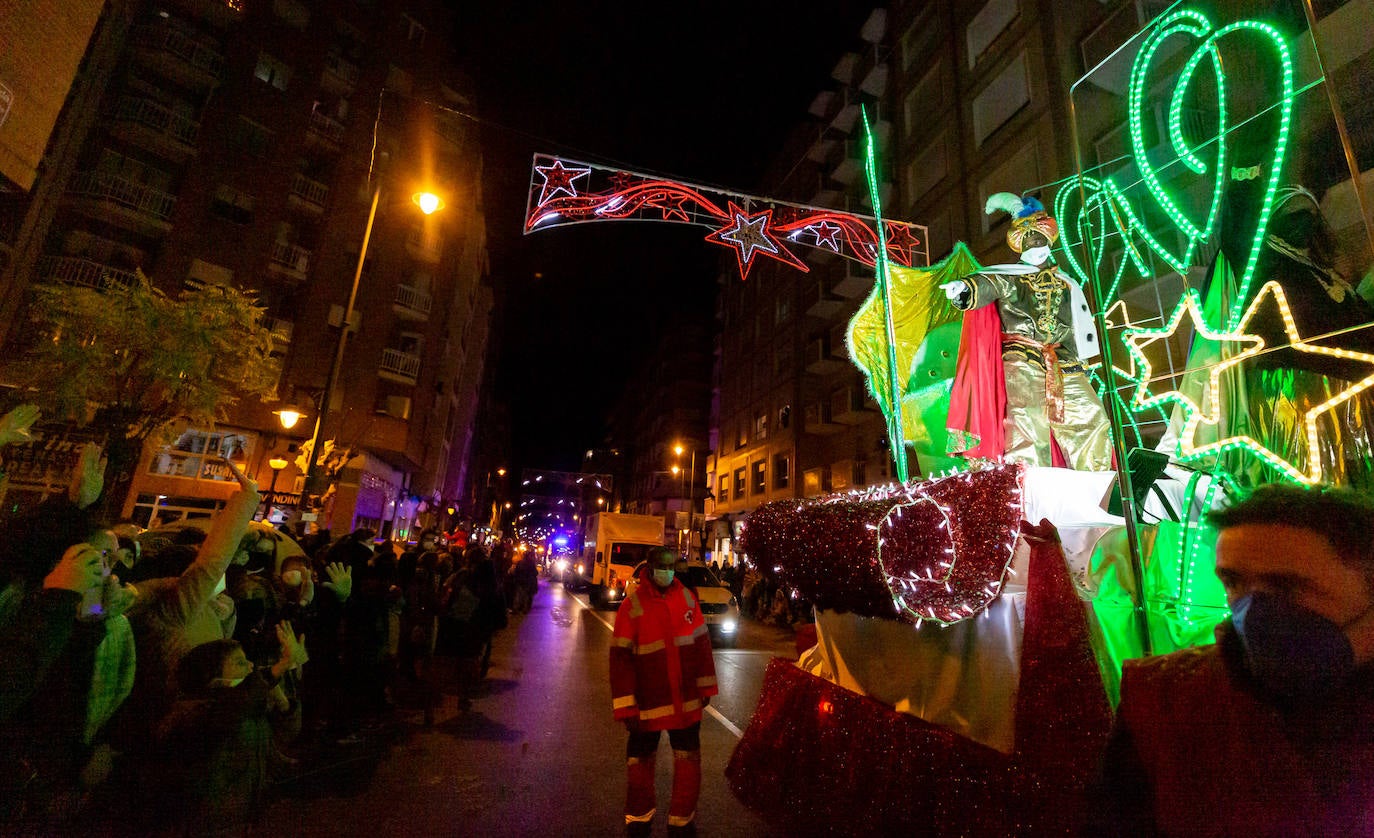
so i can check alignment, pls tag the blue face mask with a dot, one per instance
(1291, 651)
(663, 577)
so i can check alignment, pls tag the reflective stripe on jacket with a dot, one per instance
(661, 665)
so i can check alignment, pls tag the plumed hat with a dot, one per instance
(1027, 214)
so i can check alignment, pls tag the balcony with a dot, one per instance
(289, 260)
(856, 282)
(422, 245)
(309, 195)
(325, 131)
(850, 405)
(155, 127)
(820, 302)
(817, 419)
(176, 55)
(849, 168)
(820, 360)
(398, 366)
(133, 206)
(340, 75)
(839, 340)
(220, 13)
(87, 273)
(411, 303)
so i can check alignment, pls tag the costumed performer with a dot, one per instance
(1044, 330)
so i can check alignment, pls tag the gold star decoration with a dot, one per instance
(1310, 472)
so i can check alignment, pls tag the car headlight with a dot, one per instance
(727, 627)
(579, 568)
(561, 565)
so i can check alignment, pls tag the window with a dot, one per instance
(860, 473)
(232, 205)
(723, 490)
(272, 71)
(1004, 96)
(743, 438)
(739, 483)
(782, 308)
(782, 471)
(759, 481)
(199, 454)
(761, 425)
(985, 26)
(248, 137)
(292, 12)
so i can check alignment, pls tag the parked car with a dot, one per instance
(718, 604)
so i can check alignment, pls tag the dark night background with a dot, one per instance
(704, 92)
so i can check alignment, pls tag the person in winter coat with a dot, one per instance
(662, 677)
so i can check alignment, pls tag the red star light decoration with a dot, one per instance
(558, 178)
(825, 233)
(748, 235)
(900, 243)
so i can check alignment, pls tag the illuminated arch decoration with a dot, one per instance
(1309, 472)
(1105, 210)
(564, 191)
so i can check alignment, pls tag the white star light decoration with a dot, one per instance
(559, 178)
(748, 235)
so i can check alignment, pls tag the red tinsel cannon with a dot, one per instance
(937, 550)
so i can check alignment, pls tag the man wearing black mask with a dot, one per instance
(1270, 731)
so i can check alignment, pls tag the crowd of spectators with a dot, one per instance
(160, 683)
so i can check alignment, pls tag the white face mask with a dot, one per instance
(1035, 255)
(662, 577)
(291, 577)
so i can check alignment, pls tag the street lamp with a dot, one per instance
(276, 464)
(428, 203)
(691, 499)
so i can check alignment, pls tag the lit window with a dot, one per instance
(272, 71)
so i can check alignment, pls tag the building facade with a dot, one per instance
(241, 144)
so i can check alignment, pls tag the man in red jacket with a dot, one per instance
(1271, 730)
(662, 676)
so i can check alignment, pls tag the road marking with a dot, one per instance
(713, 712)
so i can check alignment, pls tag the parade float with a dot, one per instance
(1179, 325)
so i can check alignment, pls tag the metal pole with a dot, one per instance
(312, 468)
(692, 503)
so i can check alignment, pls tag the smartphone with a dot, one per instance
(93, 601)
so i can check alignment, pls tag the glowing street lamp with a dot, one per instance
(276, 464)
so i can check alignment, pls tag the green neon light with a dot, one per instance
(894, 419)
(1105, 197)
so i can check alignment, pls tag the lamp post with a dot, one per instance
(428, 203)
(691, 498)
(276, 464)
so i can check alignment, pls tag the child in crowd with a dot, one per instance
(218, 738)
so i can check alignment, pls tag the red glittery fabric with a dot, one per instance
(931, 550)
(821, 760)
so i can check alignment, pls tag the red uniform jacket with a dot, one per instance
(661, 665)
(1218, 761)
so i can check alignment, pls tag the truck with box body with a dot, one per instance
(614, 545)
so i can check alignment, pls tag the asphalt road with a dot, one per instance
(538, 754)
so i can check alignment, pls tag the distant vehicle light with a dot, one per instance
(561, 564)
(579, 568)
(727, 627)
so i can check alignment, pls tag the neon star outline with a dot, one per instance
(1314, 473)
(748, 235)
(900, 242)
(825, 234)
(559, 178)
(1142, 400)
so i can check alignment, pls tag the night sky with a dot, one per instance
(704, 91)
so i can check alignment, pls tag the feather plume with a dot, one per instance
(1004, 201)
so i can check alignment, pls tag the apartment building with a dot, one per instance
(240, 143)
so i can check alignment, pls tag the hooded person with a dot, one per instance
(1020, 391)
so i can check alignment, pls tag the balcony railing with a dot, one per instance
(126, 193)
(290, 256)
(158, 117)
(399, 363)
(339, 66)
(73, 270)
(326, 126)
(308, 190)
(414, 299)
(193, 52)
